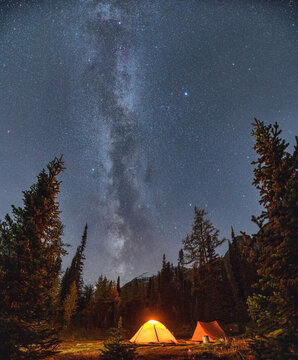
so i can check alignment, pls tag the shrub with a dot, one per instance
(116, 349)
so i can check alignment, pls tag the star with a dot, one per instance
(148, 111)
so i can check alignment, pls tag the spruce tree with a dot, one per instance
(118, 285)
(115, 348)
(200, 245)
(168, 290)
(30, 259)
(86, 295)
(180, 286)
(74, 274)
(273, 307)
(103, 307)
(200, 251)
(241, 275)
(70, 303)
(181, 258)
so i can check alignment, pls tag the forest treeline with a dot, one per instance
(254, 283)
(177, 295)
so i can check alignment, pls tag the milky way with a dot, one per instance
(151, 104)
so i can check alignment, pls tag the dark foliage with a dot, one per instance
(72, 284)
(241, 275)
(203, 286)
(180, 295)
(30, 260)
(200, 246)
(116, 349)
(274, 248)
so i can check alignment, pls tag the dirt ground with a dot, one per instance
(185, 350)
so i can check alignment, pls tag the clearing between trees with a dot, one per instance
(184, 350)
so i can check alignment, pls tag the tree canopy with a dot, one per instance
(31, 252)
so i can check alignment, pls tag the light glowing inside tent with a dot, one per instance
(153, 332)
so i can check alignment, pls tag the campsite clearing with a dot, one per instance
(89, 350)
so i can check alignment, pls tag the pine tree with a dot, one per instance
(103, 308)
(167, 288)
(273, 307)
(200, 250)
(70, 303)
(74, 274)
(80, 265)
(118, 285)
(180, 286)
(116, 349)
(200, 245)
(149, 289)
(30, 259)
(241, 275)
(181, 258)
(86, 295)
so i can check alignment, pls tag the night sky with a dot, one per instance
(151, 103)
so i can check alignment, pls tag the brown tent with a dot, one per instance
(212, 329)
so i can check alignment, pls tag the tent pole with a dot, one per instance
(156, 333)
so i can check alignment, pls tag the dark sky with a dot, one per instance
(151, 103)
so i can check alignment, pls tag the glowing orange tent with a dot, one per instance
(212, 329)
(153, 332)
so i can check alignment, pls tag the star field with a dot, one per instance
(151, 104)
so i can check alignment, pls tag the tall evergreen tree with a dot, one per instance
(167, 288)
(30, 259)
(181, 258)
(200, 250)
(103, 308)
(118, 285)
(71, 303)
(87, 293)
(241, 275)
(200, 245)
(274, 306)
(181, 287)
(74, 273)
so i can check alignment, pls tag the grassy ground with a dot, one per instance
(89, 350)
